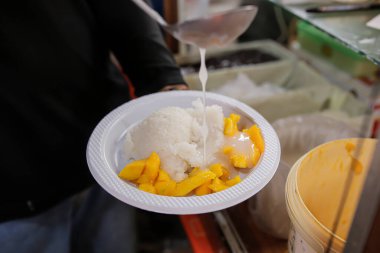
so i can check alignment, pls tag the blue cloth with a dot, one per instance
(92, 221)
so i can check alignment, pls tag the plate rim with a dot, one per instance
(97, 163)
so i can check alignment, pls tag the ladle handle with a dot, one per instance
(151, 12)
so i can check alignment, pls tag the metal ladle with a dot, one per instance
(216, 30)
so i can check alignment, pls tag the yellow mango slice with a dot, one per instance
(144, 179)
(233, 181)
(133, 170)
(231, 124)
(187, 185)
(152, 168)
(203, 189)
(147, 188)
(163, 176)
(217, 169)
(239, 161)
(235, 119)
(227, 150)
(255, 156)
(217, 185)
(226, 174)
(165, 188)
(195, 171)
(254, 134)
(229, 127)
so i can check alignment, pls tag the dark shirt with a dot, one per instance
(55, 86)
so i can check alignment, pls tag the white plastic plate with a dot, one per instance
(106, 157)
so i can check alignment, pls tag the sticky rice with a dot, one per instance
(176, 135)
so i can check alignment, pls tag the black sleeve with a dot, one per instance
(137, 42)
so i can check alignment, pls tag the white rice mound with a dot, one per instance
(175, 134)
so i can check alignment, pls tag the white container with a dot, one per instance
(315, 187)
(260, 72)
(306, 90)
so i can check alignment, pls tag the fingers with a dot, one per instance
(175, 87)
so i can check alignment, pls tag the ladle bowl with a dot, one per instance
(218, 29)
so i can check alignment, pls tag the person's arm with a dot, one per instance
(137, 42)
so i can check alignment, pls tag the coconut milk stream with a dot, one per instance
(203, 75)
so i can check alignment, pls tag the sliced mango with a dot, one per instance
(187, 185)
(230, 124)
(133, 170)
(254, 134)
(203, 189)
(217, 169)
(227, 150)
(233, 181)
(235, 119)
(165, 188)
(226, 174)
(152, 168)
(147, 188)
(228, 127)
(163, 176)
(194, 171)
(239, 161)
(144, 179)
(217, 185)
(255, 156)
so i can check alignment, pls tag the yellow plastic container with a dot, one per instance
(314, 189)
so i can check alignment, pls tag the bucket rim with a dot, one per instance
(297, 223)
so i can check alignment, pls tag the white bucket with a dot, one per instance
(315, 187)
